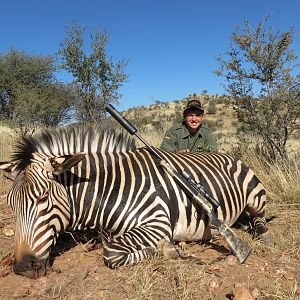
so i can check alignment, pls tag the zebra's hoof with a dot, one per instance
(167, 249)
(266, 238)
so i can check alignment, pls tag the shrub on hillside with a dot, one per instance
(212, 107)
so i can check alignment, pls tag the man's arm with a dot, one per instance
(208, 143)
(211, 142)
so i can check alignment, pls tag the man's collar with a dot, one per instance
(186, 132)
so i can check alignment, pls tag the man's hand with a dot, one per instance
(184, 151)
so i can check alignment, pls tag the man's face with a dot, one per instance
(193, 119)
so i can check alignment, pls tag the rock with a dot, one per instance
(231, 260)
(216, 268)
(256, 293)
(6, 260)
(22, 291)
(90, 247)
(241, 293)
(8, 232)
(214, 284)
(289, 276)
(266, 238)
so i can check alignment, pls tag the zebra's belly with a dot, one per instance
(191, 233)
(195, 229)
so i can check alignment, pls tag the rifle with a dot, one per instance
(195, 191)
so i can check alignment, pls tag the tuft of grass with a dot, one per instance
(163, 279)
(151, 136)
(281, 179)
(6, 146)
(279, 291)
(6, 143)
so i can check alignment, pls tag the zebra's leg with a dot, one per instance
(118, 253)
(257, 220)
(135, 246)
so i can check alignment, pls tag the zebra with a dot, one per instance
(85, 178)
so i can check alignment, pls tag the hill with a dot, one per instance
(220, 116)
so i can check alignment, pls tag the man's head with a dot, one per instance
(193, 115)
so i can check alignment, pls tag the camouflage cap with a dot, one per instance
(194, 103)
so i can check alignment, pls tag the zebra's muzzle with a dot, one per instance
(31, 267)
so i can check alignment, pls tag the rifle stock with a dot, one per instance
(199, 196)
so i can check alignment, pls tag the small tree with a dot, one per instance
(47, 106)
(29, 94)
(17, 70)
(96, 75)
(259, 68)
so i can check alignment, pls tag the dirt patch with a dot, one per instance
(209, 272)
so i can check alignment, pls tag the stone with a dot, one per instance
(241, 293)
(8, 232)
(256, 293)
(231, 260)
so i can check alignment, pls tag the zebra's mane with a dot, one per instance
(70, 140)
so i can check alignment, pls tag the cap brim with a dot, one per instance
(191, 107)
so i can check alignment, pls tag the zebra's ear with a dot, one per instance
(57, 165)
(7, 166)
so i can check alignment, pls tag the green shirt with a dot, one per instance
(178, 138)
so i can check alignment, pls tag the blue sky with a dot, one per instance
(171, 45)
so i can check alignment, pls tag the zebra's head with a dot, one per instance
(40, 205)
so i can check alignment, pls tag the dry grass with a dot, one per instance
(6, 142)
(164, 279)
(279, 291)
(6, 146)
(281, 179)
(154, 138)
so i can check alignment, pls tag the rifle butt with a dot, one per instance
(240, 249)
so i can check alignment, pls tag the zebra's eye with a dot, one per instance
(43, 198)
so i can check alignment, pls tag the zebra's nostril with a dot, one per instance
(28, 263)
(35, 265)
